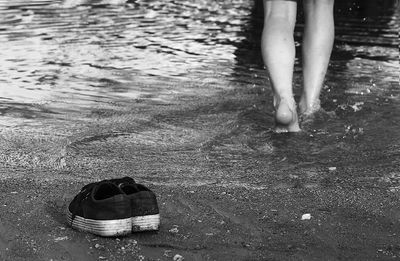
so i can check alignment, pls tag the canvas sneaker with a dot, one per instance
(101, 208)
(145, 214)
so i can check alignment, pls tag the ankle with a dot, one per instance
(309, 106)
(288, 99)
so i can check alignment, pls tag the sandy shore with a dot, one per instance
(228, 188)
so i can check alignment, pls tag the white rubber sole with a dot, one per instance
(117, 227)
(144, 223)
(105, 228)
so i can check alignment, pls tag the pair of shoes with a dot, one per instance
(114, 207)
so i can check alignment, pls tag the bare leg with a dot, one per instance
(317, 47)
(278, 52)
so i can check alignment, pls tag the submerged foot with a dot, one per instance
(286, 115)
(308, 110)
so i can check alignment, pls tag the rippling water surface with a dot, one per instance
(82, 52)
(63, 57)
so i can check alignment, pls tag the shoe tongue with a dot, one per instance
(105, 190)
(129, 188)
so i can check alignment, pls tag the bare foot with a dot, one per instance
(308, 112)
(286, 115)
(308, 109)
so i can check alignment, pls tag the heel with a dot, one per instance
(286, 115)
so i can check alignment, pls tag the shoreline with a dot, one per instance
(227, 188)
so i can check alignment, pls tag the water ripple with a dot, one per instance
(74, 50)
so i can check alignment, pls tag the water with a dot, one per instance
(98, 52)
(67, 63)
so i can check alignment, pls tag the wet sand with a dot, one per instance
(228, 188)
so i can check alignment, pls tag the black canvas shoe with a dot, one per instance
(101, 208)
(145, 214)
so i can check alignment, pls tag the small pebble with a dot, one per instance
(178, 257)
(132, 242)
(174, 230)
(167, 253)
(60, 238)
